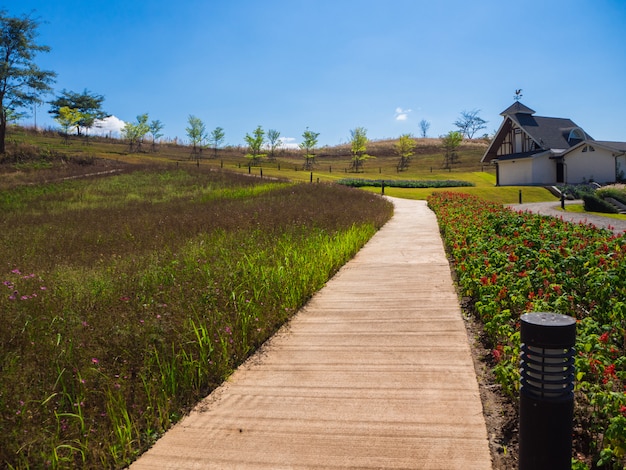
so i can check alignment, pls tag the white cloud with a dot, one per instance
(402, 114)
(108, 126)
(288, 143)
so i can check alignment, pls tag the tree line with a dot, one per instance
(23, 84)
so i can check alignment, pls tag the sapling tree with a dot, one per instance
(450, 142)
(273, 140)
(67, 118)
(358, 148)
(308, 145)
(22, 82)
(405, 149)
(197, 134)
(217, 139)
(255, 145)
(155, 127)
(135, 132)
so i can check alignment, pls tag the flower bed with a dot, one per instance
(508, 263)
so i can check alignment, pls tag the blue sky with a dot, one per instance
(333, 65)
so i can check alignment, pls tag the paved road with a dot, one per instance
(554, 209)
(374, 373)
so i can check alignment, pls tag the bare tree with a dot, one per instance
(470, 122)
(424, 126)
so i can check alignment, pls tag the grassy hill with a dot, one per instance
(53, 157)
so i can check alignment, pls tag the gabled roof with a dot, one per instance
(517, 108)
(616, 146)
(555, 134)
(551, 133)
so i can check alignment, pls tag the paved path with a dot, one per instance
(554, 209)
(374, 373)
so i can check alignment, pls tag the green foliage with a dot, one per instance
(358, 148)
(154, 128)
(135, 132)
(217, 139)
(308, 145)
(255, 145)
(135, 295)
(196, 132)
(273, 141)
(360, 183)
(450, 143)
(22, 83)
(405, 148)
(615, 193)
(509, 263)
(594, 203)
(87, 103)
(68, 118)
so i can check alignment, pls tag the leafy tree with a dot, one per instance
(22, 83)
(358, 148)
(273, 140)
(217, 138)
(89, 104)
(424, 126)
(136, 132)
(405, 149)
(308, 145)
(255, 144)
(450, 142)
(68, 118)
(155, 127)
(469, 123)
(197, 134)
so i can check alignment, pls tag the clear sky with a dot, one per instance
(333, 65)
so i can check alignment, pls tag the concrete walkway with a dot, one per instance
(374, 373)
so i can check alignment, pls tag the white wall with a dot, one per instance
(544, 170)
(515, 172)
(582, 166)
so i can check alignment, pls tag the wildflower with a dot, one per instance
(95, 360)
(16, 271)
(604, 337)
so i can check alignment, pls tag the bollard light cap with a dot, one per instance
(548, 330)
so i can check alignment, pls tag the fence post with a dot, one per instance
(546, 391)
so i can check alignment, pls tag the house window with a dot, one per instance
(585, 148)
(591, 149)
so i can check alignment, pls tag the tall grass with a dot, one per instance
(126, 299)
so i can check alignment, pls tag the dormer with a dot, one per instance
(575, 136)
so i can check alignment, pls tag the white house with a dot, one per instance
(536, 150)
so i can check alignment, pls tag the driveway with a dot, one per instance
(554, 209)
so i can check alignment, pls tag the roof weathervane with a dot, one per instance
(518, 95)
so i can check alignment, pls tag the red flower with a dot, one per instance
(604, 337)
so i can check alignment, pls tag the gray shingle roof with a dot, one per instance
(549, 133)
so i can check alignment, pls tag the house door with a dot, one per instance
(560, 172)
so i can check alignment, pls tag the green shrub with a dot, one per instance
(595, 204)
(618, 194)
(360, 182)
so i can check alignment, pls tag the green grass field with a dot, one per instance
(331, 164)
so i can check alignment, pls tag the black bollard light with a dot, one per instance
(546, 391)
